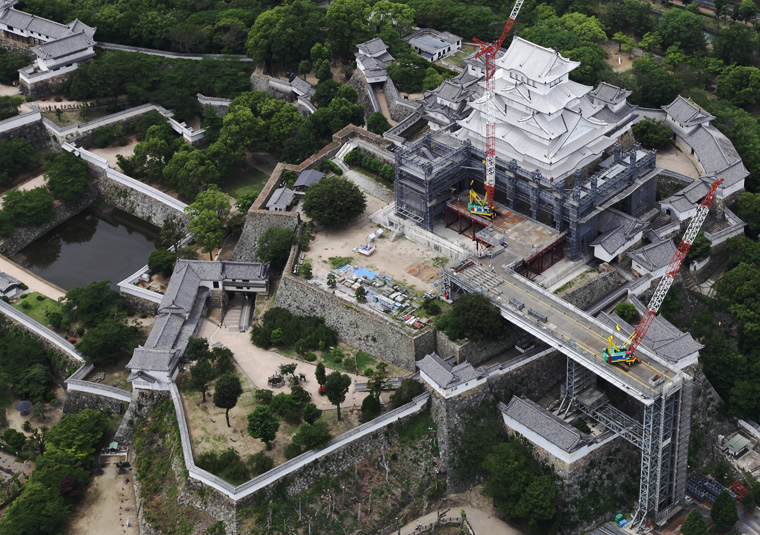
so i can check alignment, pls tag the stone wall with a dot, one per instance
(79, 401)
(23, 236)
(588, 294)
(34, 133)
(256, 223)
(16, 47)
(359, 82)
(398, 107)
(135, 202)
(44, 88)
(358, 327)
(531, 380)
(473, 352)
(141, 305)
(706, 423)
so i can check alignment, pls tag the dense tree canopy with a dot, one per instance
(108, 340)
(262, 424)
(695, 524)
(9, 107)
(17, 156)
(683, 28)
(28, 207)
(652, 133)
(93, 303)
(473, 316)
(723, 511)
(67, 177)
(334, 201)
(274, 247)
(189, 171)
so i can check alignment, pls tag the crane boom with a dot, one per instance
(627, 353)
(489, 50)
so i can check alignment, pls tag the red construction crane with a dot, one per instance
(477, 205)
(627, 352)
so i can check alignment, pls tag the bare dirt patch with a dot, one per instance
(675, 159)
(391, 257)
(110, 153)
(108, 504)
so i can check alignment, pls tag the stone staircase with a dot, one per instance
(660, 221)
(689, 282)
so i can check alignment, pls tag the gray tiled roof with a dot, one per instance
(686, 112)
(302, 87)
(77, 26)
(444, 373)
(372, 47)
(307, 178)
(542, 422)
(7, 282)
(687, 198)
(616, 229)
(609, 93)
(655, 255)
(281, 199)
(452, 92)
(25, 21)
(449, 37)
(537, 63)
(165, 331)
(180, 294)
(429, 44)
(65, 46)
(372, 66)
(161, 359)
(249, 271)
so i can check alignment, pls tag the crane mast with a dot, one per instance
(489, 50)
(627, 353)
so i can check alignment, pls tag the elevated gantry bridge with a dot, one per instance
(663, 433)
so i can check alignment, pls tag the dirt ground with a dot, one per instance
(9, 91)
(394, 259)
(109, 503)
(16, 420)
(675, 159)
(613, 53)
(35, 283)
(110, 153)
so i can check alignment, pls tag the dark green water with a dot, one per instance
(98, 244)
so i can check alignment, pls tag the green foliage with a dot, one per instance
(627, 312)
(34, 383)
(38, 510)
(93, 303)
(631, 15)
(264, 397)
(695, 524)
(654, 85)
(15, 439)
(312, 436)
(723, 511)
(339, 261)
(408, 390)
(336, 388)
(320, 374)
(285, 34)
(377, 123)
(475, 317)
(518, 485)
(259, 463)
(361, 294)
(274, 246)
(370, 408)
(107, 135)
(227, 391)
(190, 171)
(28, 207)
(9, 107)
(736, 44)
(683, 28)
(228, 465)
(10, 63)
(378, 379)
(312, 331)
(292, 450)
(334, 202)
(652, 133)
(207, 215)
(749, 211)
(700, 247)
(245, 201)
(18, 156)
(740, 85)
(311, 413)
(201, 374)
(432, 79)
(262, 424)
(359, 158)
(162, 261)
(287, 407)
(77, 434)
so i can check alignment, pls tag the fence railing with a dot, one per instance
(39, 329)
(98, 389)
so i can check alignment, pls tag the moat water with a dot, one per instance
(98, 244)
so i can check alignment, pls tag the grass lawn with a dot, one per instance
(75, 116)
(456, 59)
(240, 183)
(364, 360)
(37, 308)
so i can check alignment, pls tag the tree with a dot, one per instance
(405, 393)
(106, 341)
(385, 15)
(208, 230)
(304, 67)
(93, 303)
(361, 294)
(9, 65)
(346, 24)
(370, 408)
(740, 85)
(695, 524)
(311, 413)
(538, 503)
(274, 246)
(736, 44)
(334, 201)
(189, 171)
(749, 211)
(15, 439)
(331, 282)
(655, 86)
(320, 374)
(154, 152)
(201, 374)
(652, 133)
(9, 107)
(288, 369)
(28, 207)
(377, 384)
(747, 10)
(162, 261)
(312, 436)
(473, 316)
(377, 123)
(651, 42)
(212, 199)
(39, 509)
(78, 434)
(625, 42)
(262, 424)
(34, 383)
(700, 247)
(723, 511)
(171, 233)
(223, 359)
(227, 393)
(324, 92)
(336, 388)
(67, 177)
(432, 79)
(286, 33)
(684, 27)
(627, 311)
(197, 349)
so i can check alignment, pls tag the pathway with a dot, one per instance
(482, 522)
(35, 283)
(366, 183)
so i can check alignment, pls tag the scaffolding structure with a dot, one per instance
(662, 435)
(438, 167)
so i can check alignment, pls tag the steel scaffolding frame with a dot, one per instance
(662, 436)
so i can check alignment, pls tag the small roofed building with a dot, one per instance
(448, 378)
(65, 52)
(618, 233)
(306, 179)
(193, 284)
(371, 59)
(9, 286)
(302, 88)
(434, 45)
(375, 48)
(683, 204)
(663, 338)
(737, 445)
(652, 259)
(556, 441)
(281, 200)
